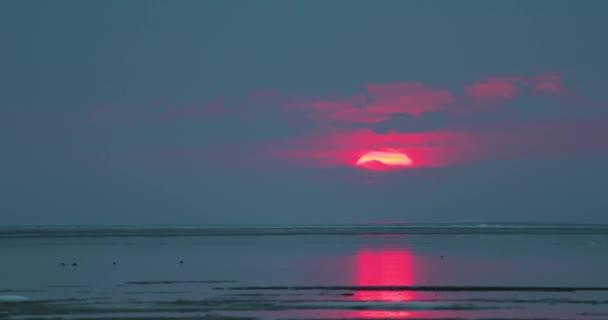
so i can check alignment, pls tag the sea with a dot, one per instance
(370, 271)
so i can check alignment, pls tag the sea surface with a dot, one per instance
(442, 271)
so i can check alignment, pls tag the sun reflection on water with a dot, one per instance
(384, 268)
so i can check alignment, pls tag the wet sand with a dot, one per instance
(305, 277)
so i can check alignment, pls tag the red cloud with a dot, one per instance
(345, 147)
(551, 84)
(334, 147)
(443, 148)
(376, 103)
(495, 88)
(328, 144)
(379, 102)
(506, 88)
(412, 98)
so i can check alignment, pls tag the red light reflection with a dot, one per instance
(384, 268)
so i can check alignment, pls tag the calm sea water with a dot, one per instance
(304, 276)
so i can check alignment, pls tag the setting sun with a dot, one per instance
(379, 160)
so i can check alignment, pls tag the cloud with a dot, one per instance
(343, 147)
(404, 122)
(495, 88)
(550, 84)
(488, 119)
(376, 103)
(504, 88)
(437, 127)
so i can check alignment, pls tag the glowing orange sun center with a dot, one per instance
(384, 158)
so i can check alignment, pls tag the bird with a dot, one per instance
(74, 264)
(62, 264)
(181, 262)
(114, 263)
(441, 257)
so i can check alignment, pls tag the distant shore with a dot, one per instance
(372, 229)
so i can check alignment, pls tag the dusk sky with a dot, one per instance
(258, 112)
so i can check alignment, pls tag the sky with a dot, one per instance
(257, 112)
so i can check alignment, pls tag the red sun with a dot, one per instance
(384, 160)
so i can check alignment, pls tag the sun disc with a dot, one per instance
(384, 158)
